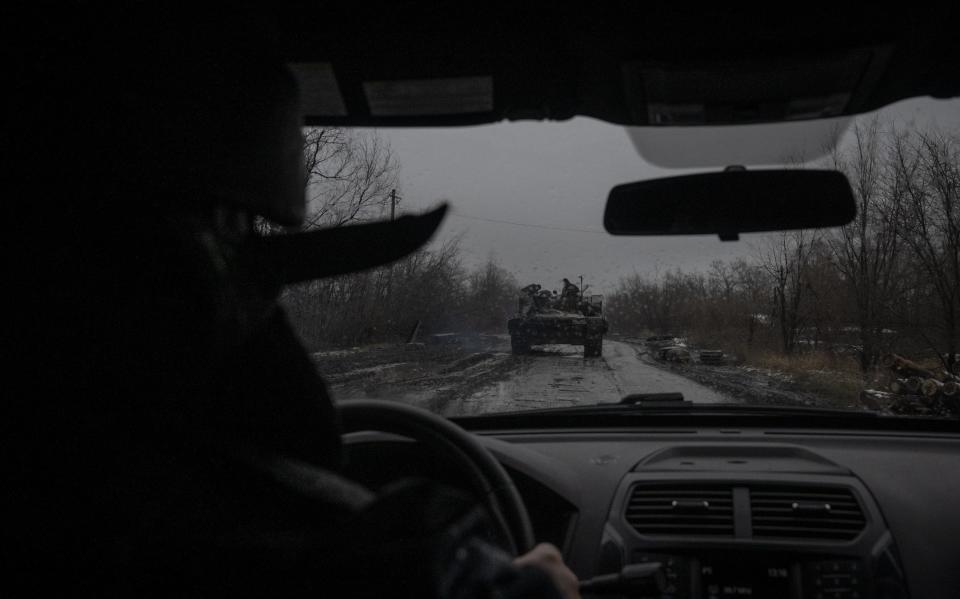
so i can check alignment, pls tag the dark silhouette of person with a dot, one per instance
(569, 295)
(176, 439)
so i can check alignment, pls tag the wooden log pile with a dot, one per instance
(914, 389)
(955, 368)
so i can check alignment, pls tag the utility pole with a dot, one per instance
(581, 288)
(389, 297)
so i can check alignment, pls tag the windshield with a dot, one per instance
(523, 302)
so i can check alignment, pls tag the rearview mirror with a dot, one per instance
(731, 202)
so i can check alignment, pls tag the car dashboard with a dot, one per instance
(728, 511)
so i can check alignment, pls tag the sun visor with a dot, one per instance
(299, 257)
(416, 97)
(770, 110)
(319, 91)
(766, 144)
(744, 90)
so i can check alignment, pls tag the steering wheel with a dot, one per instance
(488, 480)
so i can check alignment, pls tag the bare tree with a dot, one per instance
(889, 281)
(927, 182)
(752, 297)
(429, 285)
(785, 259)
(350, 176)
(491, 297)
(727, 306)
(638, 305)
(867, 252)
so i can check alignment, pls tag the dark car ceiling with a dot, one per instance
(610, 60)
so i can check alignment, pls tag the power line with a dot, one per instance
(529, 225)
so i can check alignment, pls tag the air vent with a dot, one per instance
(681, 510)
(789, 512)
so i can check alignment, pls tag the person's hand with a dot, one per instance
(547, 557)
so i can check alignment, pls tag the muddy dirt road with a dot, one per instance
(559, 376)
(484, 378)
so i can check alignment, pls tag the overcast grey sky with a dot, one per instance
(554, 178)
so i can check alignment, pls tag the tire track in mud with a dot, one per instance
(430, 377)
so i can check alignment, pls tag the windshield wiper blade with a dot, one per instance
(667, 403)
(676, 400)
(656, 399)
(653, 403)
(688, 408)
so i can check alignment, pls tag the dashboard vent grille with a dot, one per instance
(681, 510)
(792, 512)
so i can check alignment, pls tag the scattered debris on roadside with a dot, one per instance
(712, 356)
(915, 390)
(668, 348)
(678, 354)
(660, 341)
(724, 372)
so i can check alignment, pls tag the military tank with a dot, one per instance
(547, 318)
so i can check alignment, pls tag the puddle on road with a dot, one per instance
(551, 376)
